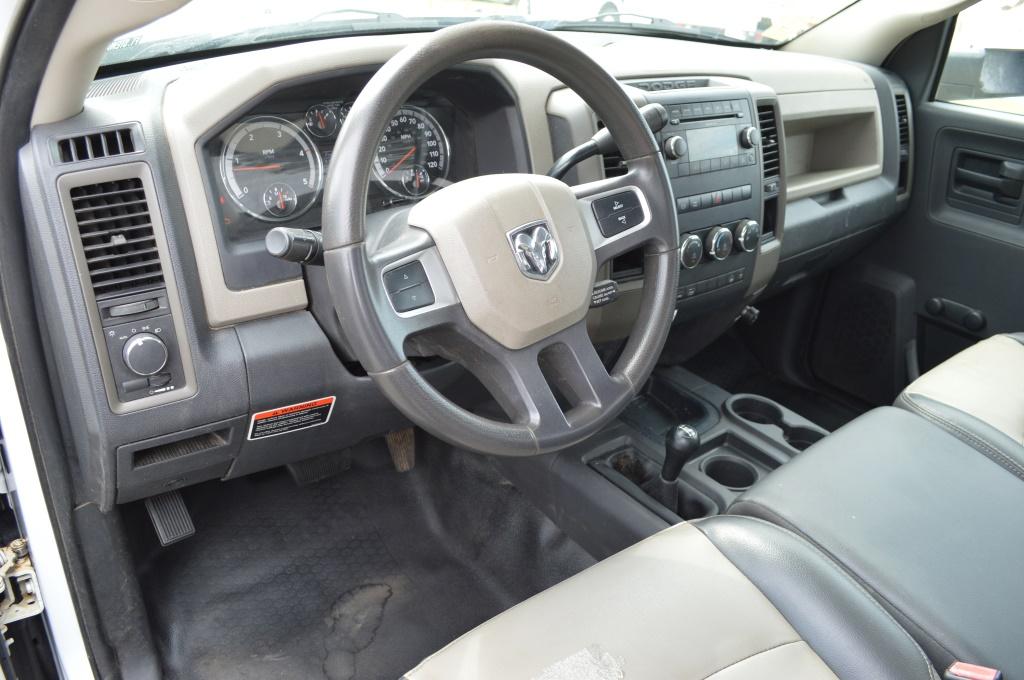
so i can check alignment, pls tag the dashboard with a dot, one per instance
(175, 328)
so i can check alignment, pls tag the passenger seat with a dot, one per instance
(727, 598)
(978, 396)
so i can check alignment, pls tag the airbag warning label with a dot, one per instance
(291, 418)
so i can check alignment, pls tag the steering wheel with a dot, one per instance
(509, 260)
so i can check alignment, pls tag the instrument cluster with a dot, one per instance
(269, 168)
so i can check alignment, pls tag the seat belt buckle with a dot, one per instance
(959, 670)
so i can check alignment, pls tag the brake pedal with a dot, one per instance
(402, 446)
(321, 467)
(170, 517)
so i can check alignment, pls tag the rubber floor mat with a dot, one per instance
(356, 577)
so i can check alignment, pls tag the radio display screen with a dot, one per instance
(713, 142)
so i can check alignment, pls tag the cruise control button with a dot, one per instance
(406, 276)
(610, 205)
(413, 298)
(621, 221)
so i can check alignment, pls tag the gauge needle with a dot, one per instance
(401, 160)
(251, 168)
(320, 117)
(281, 205)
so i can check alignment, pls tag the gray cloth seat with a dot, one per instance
(978, 396)
(932, 529)
(728, 598)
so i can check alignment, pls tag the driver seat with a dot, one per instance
(726, 598)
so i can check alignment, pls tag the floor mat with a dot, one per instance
(355, 577)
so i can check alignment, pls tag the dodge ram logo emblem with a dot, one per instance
(535, 250)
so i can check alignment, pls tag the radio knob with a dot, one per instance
(748, 235)
(750, 137)
(719, 243)
(675, 147)
(691, 252)
(144, 354)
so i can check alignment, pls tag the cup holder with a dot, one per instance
(732, 473)
(801, 438)
(757, 411)
(766, 413)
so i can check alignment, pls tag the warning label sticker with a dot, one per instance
(291, 418)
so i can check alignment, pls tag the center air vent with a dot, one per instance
(903, 125)
(114, 224)
(114, 142)
(769, 139)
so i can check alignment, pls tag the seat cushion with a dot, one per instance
(978, 395)
(676, 607)
(932, 529)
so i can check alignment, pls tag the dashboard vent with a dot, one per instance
(903, 120)
(103, 144)
(903, 124)
(769, 139)
(120, 247)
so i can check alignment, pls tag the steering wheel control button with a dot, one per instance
(748, 235)
(406, 276)
(413, 298)
(691, 252)
(615, 204)
(621, 221)
(144, 354)
(719, 243)
(605, 292)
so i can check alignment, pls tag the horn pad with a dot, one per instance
(517, 252)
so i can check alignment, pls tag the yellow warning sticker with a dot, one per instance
(291, 418)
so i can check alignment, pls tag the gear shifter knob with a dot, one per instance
(682, 444)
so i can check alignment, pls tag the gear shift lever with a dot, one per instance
(682, 444)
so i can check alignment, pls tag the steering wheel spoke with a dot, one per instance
(618, 214)
(554, 388)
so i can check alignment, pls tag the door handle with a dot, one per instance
(1002, 186)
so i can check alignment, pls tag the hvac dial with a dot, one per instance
(271, 169)
(412, 154)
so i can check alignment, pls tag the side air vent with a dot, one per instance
(114, 224)
(114, 142)
(769, 139)
(903, 124)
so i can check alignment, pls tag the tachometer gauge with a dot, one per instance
(271, 169)
(322, 121)
(412, 153)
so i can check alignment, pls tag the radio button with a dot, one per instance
(620, 221)
(616, 203)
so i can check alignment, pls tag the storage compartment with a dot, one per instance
(828, 152)
(663, 404)
(640, 477)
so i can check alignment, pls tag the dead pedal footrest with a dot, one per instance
(170, 517)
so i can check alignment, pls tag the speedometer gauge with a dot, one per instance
(271, 169)
(412, 154)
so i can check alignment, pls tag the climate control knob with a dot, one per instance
(718, 243)
(675, 147)
(747, 235)
(691, 252)
(144, 354)
(750, 137)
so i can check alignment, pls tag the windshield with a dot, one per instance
(204, 25)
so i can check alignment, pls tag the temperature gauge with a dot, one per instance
(280, 200)
(322, 121)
